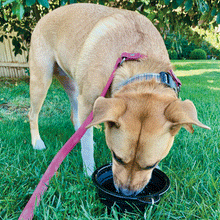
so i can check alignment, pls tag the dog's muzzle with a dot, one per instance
(127, 192)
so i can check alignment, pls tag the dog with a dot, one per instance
(79, 45)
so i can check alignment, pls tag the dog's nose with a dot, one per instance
(127, 192)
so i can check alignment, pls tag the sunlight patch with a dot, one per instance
(213, 88)
(194, 72)
(210, 81)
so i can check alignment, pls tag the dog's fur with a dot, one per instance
(80, 44)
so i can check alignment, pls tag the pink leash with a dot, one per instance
(28, 211)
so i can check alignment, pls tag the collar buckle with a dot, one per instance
(168, 80)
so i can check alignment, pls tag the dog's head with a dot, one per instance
(140, 130)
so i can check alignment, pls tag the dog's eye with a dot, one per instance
(119, 160)
(150, 167)
(113, 124)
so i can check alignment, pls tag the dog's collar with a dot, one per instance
(169, 79)
(161, 77)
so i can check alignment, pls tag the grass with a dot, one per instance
(192, 164)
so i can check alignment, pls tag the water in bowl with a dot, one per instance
(150, 189)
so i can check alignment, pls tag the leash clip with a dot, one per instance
(122, 61)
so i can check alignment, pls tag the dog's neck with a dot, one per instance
(146, 87)
(130, 69)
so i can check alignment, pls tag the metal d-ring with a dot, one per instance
(122, 61)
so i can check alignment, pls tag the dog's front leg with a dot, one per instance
(88, 152)
(85, 107)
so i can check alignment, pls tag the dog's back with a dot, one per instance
(70, 23)
(78, 32)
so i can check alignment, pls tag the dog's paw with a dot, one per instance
(39, 145)
(88, 173)
(89, 169)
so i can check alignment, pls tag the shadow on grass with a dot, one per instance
(189, 68)
(196, 64)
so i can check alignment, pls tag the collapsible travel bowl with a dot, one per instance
(103, 179)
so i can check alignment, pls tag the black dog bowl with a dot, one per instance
(103, 179)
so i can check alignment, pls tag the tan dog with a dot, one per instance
(80, 44)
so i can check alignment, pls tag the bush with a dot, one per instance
(185, 47)
(215, 53)
(172, 54)
(198, 54)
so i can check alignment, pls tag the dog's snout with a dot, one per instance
(124, 191)
(127, 192)
(128, 189)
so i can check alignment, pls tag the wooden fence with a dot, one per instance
(10, 65)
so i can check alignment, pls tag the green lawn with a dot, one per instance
(192, 164)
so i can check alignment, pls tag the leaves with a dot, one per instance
(179, 2)
(17, 46)
(203, 6)
(189, 13)
(8, 2)
(1, 38)
(188, 5)
(213, 13)
(102, 2)
(17, 7)
(44, 3)
(175, 5)
(73, 1)
(30, 2)
(63, 2)
(167, 2)
(218, 18)
(18, 10)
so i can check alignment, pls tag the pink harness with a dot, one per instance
(28, 211)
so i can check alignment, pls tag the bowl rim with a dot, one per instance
(137, 197)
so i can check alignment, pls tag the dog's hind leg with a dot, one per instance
(41, 71)
(72, 91)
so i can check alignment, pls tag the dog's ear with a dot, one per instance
(107, 109)
(182, 113)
